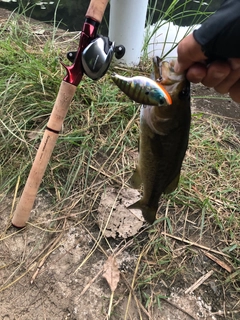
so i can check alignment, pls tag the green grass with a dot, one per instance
(94, 151)
(177, 13)
(29, 83)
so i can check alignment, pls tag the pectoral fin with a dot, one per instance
(149, 213)
(173, 185)
(136, 180)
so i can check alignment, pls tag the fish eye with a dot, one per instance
(147, 92)
(161, 101)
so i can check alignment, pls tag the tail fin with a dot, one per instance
(149, 213)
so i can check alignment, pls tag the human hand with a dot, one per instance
(223, 76)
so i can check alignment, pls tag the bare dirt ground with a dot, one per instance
(53, 268)
(46, 275)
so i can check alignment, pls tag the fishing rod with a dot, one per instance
(92, 58)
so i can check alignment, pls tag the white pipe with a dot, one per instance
(126, 27)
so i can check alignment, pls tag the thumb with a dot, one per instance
(181, 66)
(189, 52)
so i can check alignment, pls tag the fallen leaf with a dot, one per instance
(111, 273)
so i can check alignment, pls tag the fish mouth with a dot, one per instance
(164, 73)
(157, 74)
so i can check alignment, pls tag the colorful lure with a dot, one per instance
(143, 90)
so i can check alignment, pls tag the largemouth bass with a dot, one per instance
(164, 133)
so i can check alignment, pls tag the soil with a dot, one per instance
(68, 283)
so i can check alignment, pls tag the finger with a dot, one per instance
(225, 85)
(181, 67)
(217, 72)
(234, 92)
(234, 63)
(189, 51)
(197, 72)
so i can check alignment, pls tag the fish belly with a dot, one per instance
(159, 163)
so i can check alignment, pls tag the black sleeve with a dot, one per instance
(219, 35)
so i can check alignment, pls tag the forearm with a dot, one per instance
(219, 36)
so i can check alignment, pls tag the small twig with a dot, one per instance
(110, 306)
(41, 263)
(104, 173)
(91, 282)
(10, 235)
(219, 262)
(179, 308)
(15, 195)
(199, 282)
(132, 284)
(17, 279)
(194, 244)
(134, 295)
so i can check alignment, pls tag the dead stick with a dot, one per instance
(19, 278)
(199, 281)
(194, 244)
(219, 262)
(179, 308)
(66, 92)
(90, 282)
(41, 263)
(135, 298)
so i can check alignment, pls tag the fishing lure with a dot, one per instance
(143, 90)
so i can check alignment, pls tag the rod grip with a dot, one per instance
(44, 152)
